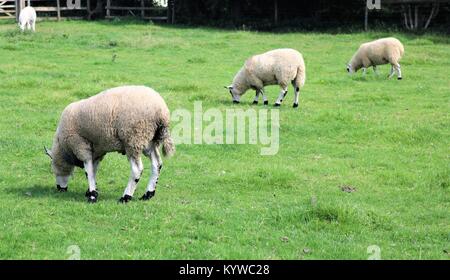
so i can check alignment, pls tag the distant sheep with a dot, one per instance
(131, 120)
(27, 17)
(280, 66)
(378, 52)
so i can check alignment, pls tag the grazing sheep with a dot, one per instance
(378, 52)
(131, 120)
(27, 18)
(280, 66)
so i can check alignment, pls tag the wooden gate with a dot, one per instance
(7, 8)
(53, 9)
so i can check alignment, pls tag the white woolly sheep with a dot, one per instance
(131, 120)
(378, 52)
(27, 17)
(280, 66)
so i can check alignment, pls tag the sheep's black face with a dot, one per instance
(349, 69)
(234, 95)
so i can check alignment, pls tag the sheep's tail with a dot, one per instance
(162, 136)
(168, 147)
(301, 75)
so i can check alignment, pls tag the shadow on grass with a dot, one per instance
(75, 194)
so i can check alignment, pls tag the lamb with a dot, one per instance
(132, 120)
(378, 52)
(279, 66)
(27, 18)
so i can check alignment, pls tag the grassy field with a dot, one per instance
(388, 139)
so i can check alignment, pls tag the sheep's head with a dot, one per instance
(350, 68)
(235, 93)
(61, 169)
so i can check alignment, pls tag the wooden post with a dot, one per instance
(88, 9)
(416, 17)
(168, 11)
(108, 11)
(366, 19)
(276, 12)
(58, 10)
(173, 11)
(17, 2)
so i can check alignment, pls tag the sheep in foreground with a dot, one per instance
(378, 52)
(280, 66)
(132, 120)
(27, 17)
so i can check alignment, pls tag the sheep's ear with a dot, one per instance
(48, 152)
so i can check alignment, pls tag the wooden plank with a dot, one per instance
(412, 1)
(55, 9)
(153, 18)
(119, 8)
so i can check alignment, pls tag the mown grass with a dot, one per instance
(388, 139)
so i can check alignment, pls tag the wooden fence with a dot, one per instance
(55, 9)
(8, 8)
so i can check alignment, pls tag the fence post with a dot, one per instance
(276, 12)
(17, 4)
(58, 10)
(366, 19)
(108, 11)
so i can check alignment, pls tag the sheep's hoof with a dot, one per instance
(399, 78)
(255, 102)
(125, 199)
(277, 104)
(295, 105)
(235, 102)
(148, 195)
(266, 102)
(58, 187)
(91, 196)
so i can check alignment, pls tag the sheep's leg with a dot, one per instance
(282, 95)
(375, 70)
(135, 175)
(91, 193)
(258, 93)
(33, 26)
(399, 71)
(266, 102)
(364, 69)
(392, 72)
(255, 101)
(96, 164)
(261, 92)
(296, 95)
(155, 158)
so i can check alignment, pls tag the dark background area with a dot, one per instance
(299, 14)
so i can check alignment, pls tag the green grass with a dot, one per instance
(389, 139)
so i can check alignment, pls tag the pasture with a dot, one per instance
(387, 140)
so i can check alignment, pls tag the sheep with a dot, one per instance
(378, 52)
(132, 120)
(27, 17)
(279, 66)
